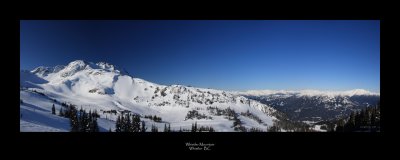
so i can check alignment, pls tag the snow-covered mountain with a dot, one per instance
(355, 92)
(106, 88)
(314, 105)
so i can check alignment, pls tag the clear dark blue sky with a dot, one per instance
(231, 55)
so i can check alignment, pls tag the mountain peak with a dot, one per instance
(77, 63)
(76, 66)
(42, 71)
(110, 67)
(106, 66)
(359, 92)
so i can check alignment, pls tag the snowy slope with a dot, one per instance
(103, 87)
(36, 114)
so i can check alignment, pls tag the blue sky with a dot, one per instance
(221, 54)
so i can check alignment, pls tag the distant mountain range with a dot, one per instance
(314, 105)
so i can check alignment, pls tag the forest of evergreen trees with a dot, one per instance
(195, 114)
(154, 118)
(129, 123)
(289, 125)
(80, 121)
(201, 128)
(366, 120)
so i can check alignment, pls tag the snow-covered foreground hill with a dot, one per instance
(111, 91)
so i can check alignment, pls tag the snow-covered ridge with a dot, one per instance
(102, 87)
(44, 71)
(354, 92)
(74, 67)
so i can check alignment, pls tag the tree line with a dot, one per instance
(154, 118)
(80, 121)
(129, 123)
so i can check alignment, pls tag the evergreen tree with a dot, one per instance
(90, 121)
(143, 128)
(61, 113)
(118, 124)
(331, 127)
(374, 120)
(368, 118)
(274, 128)
(350, 124)
(340, 126)
(377, 117)
(80, 120)
(136, 123)
(211, 129)
(84, 121)
(94, 127)
(67, 112)
(127, 123)
(154, 128)
(73, 116)
(194, 127)
(95, 114)
(236, 121)
(53, 110)
(122, 123)
(165, 127)
(357, 121)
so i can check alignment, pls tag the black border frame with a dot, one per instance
(225, 141)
